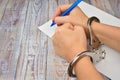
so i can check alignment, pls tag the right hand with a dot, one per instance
(69, 40)
(75, 17)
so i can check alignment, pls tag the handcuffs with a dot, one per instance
(95, 52)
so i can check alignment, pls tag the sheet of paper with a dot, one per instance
(45, 28)
(111, 65)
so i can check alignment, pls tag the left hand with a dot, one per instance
(75, 17)
(69, 40)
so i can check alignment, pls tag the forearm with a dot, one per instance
(85, 70)
(107, 34)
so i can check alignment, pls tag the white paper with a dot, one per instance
(47, 29)
(111, 65)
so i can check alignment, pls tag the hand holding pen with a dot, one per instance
(67, 10)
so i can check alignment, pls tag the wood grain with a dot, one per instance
(34, 44)
(11, 28)
(3, 4)
(25, 52)
(109, 6)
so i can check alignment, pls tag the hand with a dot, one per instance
(75, 17)
(68, 41)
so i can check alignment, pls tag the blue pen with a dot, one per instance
(68, 10)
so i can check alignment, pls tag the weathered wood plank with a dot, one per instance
(3, 4)
(109, 6)
(61, 2)
(115, 7)
(51, 67)
(33, 59)
(71, 1)
(19, 5)
(10, 38)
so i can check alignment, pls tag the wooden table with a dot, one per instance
(25, 52)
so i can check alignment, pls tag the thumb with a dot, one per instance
(62, 20)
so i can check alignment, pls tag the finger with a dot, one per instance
(60, 10)
(62, 19)
(67, 26)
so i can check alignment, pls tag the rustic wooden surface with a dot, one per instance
(25, 52)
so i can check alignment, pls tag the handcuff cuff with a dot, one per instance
(95, 52)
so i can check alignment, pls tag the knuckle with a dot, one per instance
(59, 31)
(68, 24)
(79, 27)
(55, 20)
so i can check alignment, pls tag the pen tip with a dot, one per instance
(52, 24)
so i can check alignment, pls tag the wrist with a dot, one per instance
(75, 61)
(84, 25)
(74, 53)
(83, 67)
(93, 40)
(85, 60)
(85, 22)
(94, 28)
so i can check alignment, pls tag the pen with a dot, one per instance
(68, 10)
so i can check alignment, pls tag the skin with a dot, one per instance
(107, 34)
(75, 17)
(70, 39)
